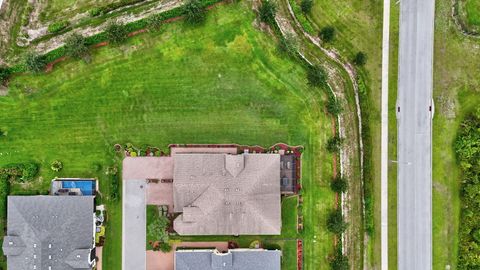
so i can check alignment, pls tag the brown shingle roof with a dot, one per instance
(222, 194)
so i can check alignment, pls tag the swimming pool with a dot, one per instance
(86, 186)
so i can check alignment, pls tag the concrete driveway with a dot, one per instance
(134, 225)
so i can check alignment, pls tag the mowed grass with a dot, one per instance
(456, 92)
(473, 12)
(358, 26)
(222, 82)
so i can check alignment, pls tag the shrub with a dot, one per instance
(95, 11)
(4, 74)
(327, 34)
(116, 33)
(267, 12)
(158, 229)
(76, 46)
(339, 261)
(333, 105)
(288, 45)
(360, 59)
(335, 222)
(114, 187)
(58, 26)
(29, 170)
(4, 191)
(56, 166)
(165, 247)
(194, 12)
(334, 144)
(155, 21)
(35, 62)
(339, 184)
(306, 6)
(317, 76)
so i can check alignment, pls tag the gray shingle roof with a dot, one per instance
(235, 259)
(223, 194)
(49, 231)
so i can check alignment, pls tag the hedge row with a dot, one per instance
(302, 19)
(467, 148)
(101, 37)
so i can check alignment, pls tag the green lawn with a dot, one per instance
(222, 82)
(473, 12)
(358, 26)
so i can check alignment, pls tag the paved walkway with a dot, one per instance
(157, 260)
(384, 140)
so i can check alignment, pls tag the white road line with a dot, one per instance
(384, 140)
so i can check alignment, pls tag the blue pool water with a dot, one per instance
(87, 187)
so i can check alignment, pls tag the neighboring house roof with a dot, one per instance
(49, 232)
(223, 194)
(235, 259)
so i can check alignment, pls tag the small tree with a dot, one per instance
(360, 59)
(327, 34)
(194, 12)
(334, 143)
(340, 261)
(288, 45)
(335, 222)
(306, 6)
(35, 62)
(339, 184)
(333, 105)
(155, 21)
(267, 11)
(317, 76)
(76, 46)
(56, 166)
(116, 33)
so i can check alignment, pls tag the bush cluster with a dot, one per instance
(288, 45)
(327, 34)
(76, 46)
(4, 74)
(58, 26)
(306, 6)
(114, 184)
(56, 166)
(339, 261)
(333, 105)
(316, 76)
(116, 33)
(335, 222)
(35, 62)
(194, 12)
(339, 184)
(334, 144)
(20, 172)
(467, 149)
(267, 12)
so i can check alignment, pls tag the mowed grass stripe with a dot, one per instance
(223, 82)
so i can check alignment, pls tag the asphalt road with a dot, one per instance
(134, 224)
(414, 122)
